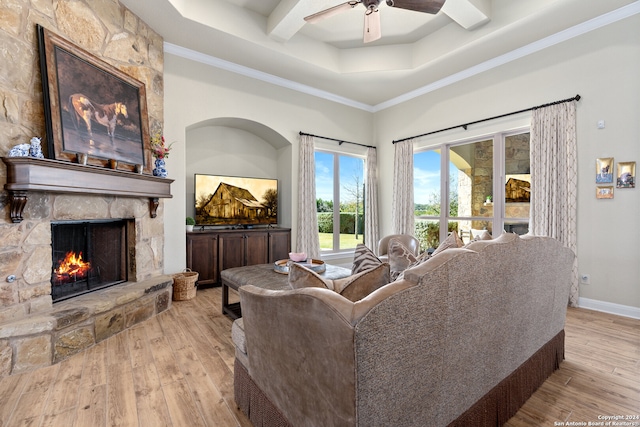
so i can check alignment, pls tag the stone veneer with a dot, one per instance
(33, 331)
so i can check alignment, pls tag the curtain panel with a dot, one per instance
(554, 179)
(307, 239)
(371, 233)
(402, 211)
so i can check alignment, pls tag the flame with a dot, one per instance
(72, 266)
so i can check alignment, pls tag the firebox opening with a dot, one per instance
(87, 256)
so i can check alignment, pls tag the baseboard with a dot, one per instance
(609, 307)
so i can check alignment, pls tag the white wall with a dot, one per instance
(603, 67)
(197, 96)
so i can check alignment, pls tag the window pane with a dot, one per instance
(324, 198)
(426, 183)
(517, 191)
(428, 233)
(351, 201)
(471, 176)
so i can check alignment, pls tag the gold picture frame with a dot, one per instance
(604, 192)
(93, 110)
(604, 170)
(626, 175)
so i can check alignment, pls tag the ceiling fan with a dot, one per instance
(372, 29)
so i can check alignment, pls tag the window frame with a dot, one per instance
(499, 175)
(336, 196)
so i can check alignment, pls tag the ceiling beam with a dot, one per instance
(469, 14)
(287, 19)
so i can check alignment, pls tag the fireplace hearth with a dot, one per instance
(87, 256)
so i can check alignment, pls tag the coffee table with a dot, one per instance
(262, 276)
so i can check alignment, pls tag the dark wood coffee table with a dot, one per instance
(262, 276)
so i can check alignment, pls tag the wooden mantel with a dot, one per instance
(26, 174)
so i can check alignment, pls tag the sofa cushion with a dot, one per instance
(422, 258)
(483, 235)
(354, 287)
(400, 257)
(452, 241)
(301, 277)
(358, 286)
(364, 259)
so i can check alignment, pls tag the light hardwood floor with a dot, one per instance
(177, 370)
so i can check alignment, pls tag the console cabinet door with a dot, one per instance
(202, 256)
(279, 245)
(232, 250)
(256, 249)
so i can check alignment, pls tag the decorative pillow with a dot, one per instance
(302, 277)
(423, 257)
(483, 235)
(354, 287)
(400, 257)
(452, 241)
(364, 259)
(358, 286)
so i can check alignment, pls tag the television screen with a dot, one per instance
(230, 200)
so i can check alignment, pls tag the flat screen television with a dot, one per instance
(231, 200)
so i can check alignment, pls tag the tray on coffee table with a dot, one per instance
(316, 265)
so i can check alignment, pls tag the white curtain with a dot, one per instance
(307, 238)
(402, 211)
(554, 178)
(371, 234)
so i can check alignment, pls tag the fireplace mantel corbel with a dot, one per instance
(26, 174)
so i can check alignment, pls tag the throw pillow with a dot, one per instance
(452, 241)
(483, 235)
(364, 259)
(302, 277)
(400, 257)
(423, 257)
(358, 286)
(354, 287)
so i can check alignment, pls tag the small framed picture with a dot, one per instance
(604, 192)
(626, 175)
(604, 170)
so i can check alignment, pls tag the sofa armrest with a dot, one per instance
(300, 345)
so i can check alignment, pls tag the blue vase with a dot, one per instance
(160, 170)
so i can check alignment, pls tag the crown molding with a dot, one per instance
(262, 76)
(560, 37)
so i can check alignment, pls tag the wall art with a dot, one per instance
(626, 175)
(604, 170)
(92, 107)
(604, 192)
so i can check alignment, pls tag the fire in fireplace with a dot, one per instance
(87, 256)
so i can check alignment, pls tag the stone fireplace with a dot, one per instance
(119, 211)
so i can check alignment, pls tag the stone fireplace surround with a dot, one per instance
(33, 331)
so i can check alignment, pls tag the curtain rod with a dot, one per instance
(339, 141)
(464, 126)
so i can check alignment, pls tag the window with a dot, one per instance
(340, 200)
(476, 198)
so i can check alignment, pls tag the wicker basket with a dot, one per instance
(184, 285)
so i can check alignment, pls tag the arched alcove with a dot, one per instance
(239, 147)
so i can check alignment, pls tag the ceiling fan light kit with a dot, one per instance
(372, 28)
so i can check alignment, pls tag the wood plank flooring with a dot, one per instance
(176, 370)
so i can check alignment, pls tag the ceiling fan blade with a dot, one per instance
(426, 6)
(372, 30)
(331, 11)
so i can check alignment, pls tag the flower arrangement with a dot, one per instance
(159, 148)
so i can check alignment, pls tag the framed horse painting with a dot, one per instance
(93, 111)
